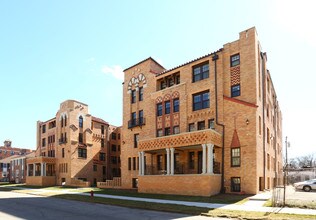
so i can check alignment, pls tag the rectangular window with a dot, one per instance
(103, 170)
(63, 152)
(191, 160)
(136, 138)
(43, 129)
(167, 107)
(134, 163)
(102, 129)
(159, 133)
(191, 127)
(176, 105)
(102, 156)
(235, 90)
(167, 131)
(82, 152)
(141, 117)
(176, 130)
(268, 136)
(141, 94)
(113, 147)
(102, 142)
(44, 142)
(163, 84)
(201, 101)
(201, 125)
(200, 72)
(114, 134)
(129, 163)
(80, 137)
(114, 160)
(211, 124)
(170, 81)
(235, 157)
(235, 184)
(119, 136)
(159, 109)
(133, 96)
(177, 79)
(234, 60)
(159, 162)
(95, 167)
(133, 116)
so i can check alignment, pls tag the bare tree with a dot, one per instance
(306, 161)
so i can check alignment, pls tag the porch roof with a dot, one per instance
(208, 136)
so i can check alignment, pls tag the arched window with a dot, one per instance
(62, 121)
(80, 121)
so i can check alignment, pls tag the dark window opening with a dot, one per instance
(200, 72)
(235, 90)
(201, 101)
(234, 60)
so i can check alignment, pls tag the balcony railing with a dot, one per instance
(62, 140)
(136, 122)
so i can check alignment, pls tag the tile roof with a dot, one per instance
(191, 61)
(99, 120)
(149, 58)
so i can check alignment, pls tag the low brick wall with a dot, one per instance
(41, 180)
(193, 185)
(115, 183)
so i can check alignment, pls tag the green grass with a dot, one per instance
(220, 198)
(4, 183)
(255, 215)
(137, 204)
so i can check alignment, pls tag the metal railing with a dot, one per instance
(136, 122)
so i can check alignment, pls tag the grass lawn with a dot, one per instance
(220, 198)
(137, 204)
(255, 215)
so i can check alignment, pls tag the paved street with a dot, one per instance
(15, 206)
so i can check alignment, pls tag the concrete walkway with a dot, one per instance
(255, 202)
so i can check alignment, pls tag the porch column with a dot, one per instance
(204, 159)
(42, 169)
(210, 158)
(34, 166)
(168, 161)
(139, 163)
(143, 162)
(172, 161)
(28, 169)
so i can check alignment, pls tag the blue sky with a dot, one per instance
(51, 51)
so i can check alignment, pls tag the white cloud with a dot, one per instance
(116, 71)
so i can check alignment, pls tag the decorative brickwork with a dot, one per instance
(181, 140)
(235, 75)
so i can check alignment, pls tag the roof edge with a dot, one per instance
(149, 58)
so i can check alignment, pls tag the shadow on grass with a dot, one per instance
(136, 204)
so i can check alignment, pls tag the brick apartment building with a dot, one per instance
(74, 148)
(209, 125)
(18, 168)
(7, 152)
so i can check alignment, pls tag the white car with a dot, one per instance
(307, 185)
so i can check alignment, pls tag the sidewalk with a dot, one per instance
(255, 202)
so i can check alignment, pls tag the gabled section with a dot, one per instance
(235, 140)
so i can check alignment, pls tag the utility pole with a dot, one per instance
(285, 180)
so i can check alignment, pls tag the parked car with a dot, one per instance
(307, 185)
